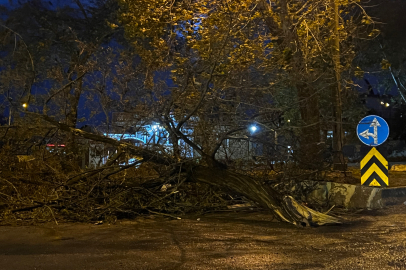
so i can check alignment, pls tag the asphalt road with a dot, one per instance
(369, 240)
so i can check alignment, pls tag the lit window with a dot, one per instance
(330, 134)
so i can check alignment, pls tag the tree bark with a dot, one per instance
(310, 151)
(284, 208)
(338, 156)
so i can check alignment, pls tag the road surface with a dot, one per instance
(244, 240)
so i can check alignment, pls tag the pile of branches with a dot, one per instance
(51, 186)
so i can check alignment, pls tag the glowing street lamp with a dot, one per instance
(155, 127)
(253, 129)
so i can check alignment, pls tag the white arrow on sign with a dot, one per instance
(374, 135)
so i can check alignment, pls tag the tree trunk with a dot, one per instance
(74, 99)
(338, 156)
(285, 208)
(310, 151)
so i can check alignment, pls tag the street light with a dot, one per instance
(253, 129)
(25, 105)
(155, 127)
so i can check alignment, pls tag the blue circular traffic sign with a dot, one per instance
(373, 130)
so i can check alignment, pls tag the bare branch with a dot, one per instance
(146, 154)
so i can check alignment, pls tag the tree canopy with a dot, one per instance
(202, 72)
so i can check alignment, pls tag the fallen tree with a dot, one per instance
(284, 208)
(223, 81)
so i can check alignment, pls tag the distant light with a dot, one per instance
(382, 102)
(53, 145)
(253, 128)
(387, 105)
(25, 105)
(289, 120)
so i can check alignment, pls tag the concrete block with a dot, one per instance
(398, 168)
(356, 196)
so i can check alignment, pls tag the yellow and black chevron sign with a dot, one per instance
(374, 170)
